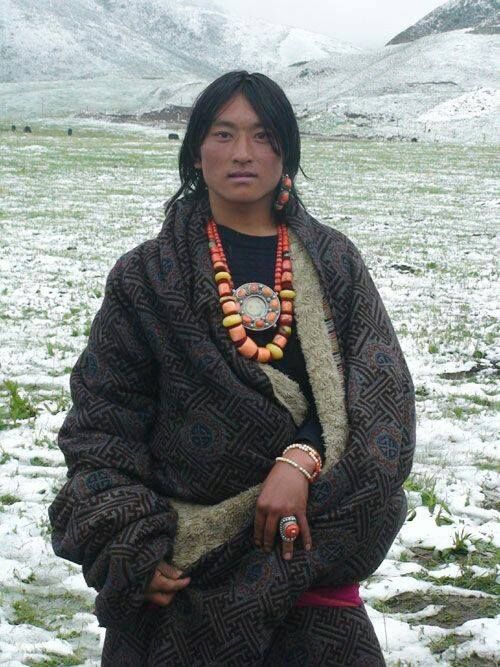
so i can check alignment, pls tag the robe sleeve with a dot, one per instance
(107, 517)
(310, 432)
(359, 505)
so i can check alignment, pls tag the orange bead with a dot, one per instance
(267, 291)
(270, 317)
(274, 303)
(280, 341)
(237, 333)
(247, 319)
(248, 348)
(286, 320)
(220, 266)
(259, 323)
(287, 265)
(230, 308)
(264, 355)
(287, 276)
(287, 307)
(224, 289)
(287, 182)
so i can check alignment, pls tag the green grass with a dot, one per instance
(456, 609)
(9, 499)
(56, 660)
(19, 407)
(50, 611)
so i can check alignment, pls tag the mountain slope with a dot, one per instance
(395, 88)
(56, 39)
(482, 15)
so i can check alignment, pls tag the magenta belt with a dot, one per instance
(327, 596)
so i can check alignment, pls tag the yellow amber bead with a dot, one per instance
(231, 320)
(287, 294)
(222, 275)
(276, 352)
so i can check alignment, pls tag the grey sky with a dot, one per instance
(364, 23)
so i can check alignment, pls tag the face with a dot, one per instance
(236, 157)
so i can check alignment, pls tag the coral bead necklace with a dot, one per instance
(255, 306)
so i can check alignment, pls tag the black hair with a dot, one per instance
(271, 105)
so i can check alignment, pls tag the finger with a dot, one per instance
(161, 599)
(170, 585)
(305, 532)
(287, 550)
(258, 529)
(270, 532)
(169, 570)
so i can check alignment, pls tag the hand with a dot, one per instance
(285, 491)
(165, 583)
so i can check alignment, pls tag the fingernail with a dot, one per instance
(308, 547)
(288, 556)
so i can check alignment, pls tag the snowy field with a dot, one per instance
(424, 217)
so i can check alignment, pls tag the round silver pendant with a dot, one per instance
(259, 306)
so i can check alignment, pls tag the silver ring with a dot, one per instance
(286, 522)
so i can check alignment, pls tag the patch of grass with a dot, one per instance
(4, 457)
(62, 401)
(39, 461)
(9, 499)
(20, 407)
(442, 644)
(485, 555)
(56, 660)
(433, 348)
(426, 487)
(50, 611)
(26, 613)
(45, 442)
(456, 609)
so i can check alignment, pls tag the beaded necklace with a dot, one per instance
(255, 306)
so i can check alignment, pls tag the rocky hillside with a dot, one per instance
(483, 16)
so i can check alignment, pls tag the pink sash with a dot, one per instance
(342, 596)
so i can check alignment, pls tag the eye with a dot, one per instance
(263, 136)
(222, 134)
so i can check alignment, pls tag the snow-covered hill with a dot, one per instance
(135, 56)
(481, 15)
(399, 89)
(167, 39)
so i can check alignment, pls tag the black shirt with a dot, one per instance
(252, 259)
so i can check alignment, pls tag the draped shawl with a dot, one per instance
(172, 432)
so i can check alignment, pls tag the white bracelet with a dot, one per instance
(309, 450)
(295, 465)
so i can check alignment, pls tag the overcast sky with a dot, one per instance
(364, 23)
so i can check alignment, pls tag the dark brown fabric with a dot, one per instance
(164, 406)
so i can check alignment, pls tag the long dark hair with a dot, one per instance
(270, 104)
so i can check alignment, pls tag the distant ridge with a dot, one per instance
(481, 15)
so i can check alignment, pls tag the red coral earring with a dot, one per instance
(284, 193)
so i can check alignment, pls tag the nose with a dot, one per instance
(242, 151)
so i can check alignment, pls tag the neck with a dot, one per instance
(255, 218)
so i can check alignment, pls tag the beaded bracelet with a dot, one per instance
(296, 465)
(312, 453)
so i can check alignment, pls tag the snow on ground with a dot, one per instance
(424, 217)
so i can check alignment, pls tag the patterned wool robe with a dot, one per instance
(172, 432)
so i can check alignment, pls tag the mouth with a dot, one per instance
(242, 174)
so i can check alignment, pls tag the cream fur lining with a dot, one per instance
(204, 527)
